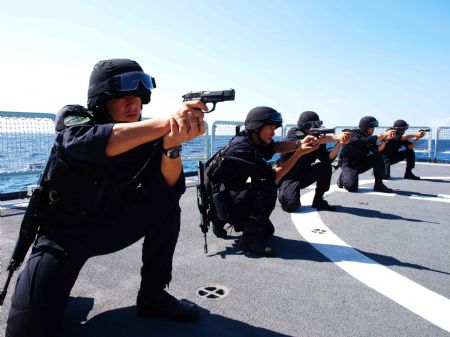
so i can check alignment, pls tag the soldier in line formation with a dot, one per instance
(244, 186)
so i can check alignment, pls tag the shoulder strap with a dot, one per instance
(71, 115)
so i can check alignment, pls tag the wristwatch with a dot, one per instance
(173, 152)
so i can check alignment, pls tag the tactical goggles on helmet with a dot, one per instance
(275, 118)
(313, 124)
(130, 81)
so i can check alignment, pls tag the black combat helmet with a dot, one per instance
(308, 120)
(117, 78)
(368, 122)
(260, 116)
(400, 123)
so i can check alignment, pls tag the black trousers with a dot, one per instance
(43, 287)
(407, 154)
(251, 207)
(350, 171)
(289, 189)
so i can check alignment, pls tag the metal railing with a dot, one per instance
(442, 145)
(26, 139)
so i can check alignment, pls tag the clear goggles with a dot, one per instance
(313, 124)
(130, 81)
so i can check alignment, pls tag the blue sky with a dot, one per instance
(342, 59)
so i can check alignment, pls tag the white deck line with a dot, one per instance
(438, 198)
(427, 304)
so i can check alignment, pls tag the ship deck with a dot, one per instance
(379, 266)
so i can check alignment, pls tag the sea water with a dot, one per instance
(33, 161)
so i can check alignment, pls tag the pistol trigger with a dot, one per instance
(213, 108)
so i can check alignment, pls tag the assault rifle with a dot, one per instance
(28, 228)
(202, 202)
(213, 97)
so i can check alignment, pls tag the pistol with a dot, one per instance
(317, 132)
(213, 97)
(425, 130)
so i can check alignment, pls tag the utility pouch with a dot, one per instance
(222, 201)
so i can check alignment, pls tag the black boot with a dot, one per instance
(380, 187)
(410, 175)
(322, 204)
(218, 230)
(161, 303)
(268, 229)
(255, 245)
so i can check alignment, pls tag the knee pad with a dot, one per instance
(290, 207)
(351, 188)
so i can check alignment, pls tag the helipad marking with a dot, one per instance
(411, 295)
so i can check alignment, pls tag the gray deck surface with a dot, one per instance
(300, 292)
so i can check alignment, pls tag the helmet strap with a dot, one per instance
(254, 135)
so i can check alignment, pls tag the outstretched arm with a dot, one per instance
(384, 137)
(343, 138)
(417, 135)
(307, 145)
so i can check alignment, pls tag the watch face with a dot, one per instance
(173, 153)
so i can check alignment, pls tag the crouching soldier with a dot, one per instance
(113, 179)
(306, 170)
(392, 153)
(361, 154)
(246, 183)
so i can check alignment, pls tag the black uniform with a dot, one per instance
(392, 154)
(95, 207)
(249, 203)
(305, 172)
(358, 156)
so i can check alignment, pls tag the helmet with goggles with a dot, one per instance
(117, 78)
(309, 120)
(262, 115)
